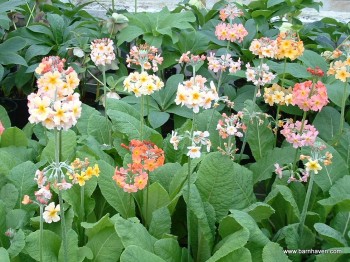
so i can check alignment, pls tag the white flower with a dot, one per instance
(175, 140)
(50, 215)
(194, 151)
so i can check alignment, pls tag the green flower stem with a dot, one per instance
(41, 232)
(58, 150)
(188, 211)
(82, 215)
(142, 116)
(342, 113)
(113, 6)
(105, 102)
(146, 202)
(305, 206)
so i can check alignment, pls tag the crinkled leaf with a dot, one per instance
(259, 211)
(13, 136)
(168, 249)
(137, 254)
(9, 196)
(332, 236)
(160, 222)
(274, 252)
(17, 244)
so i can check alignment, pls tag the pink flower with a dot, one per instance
(2, 128)
(233, 33)
(278, 170)
(299, 138)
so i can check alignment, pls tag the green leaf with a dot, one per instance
(332, 236)
(13, 44)
(343, 146)
(335, 91)
(274, 252)
(133, 233)
(17, 244)
(330, 130)
(138, 254)
(259, 211)
(4, 256)
(264, 13)
(37, 50)
(157, 119)
(334, 254)
(43, 30)
(218, 175)
(241, 254)
(168, 249)
(271, 3)
(69, 143)
(17, 218)
(282, 201)
(294, 69)
(51, 246)
(288, 237)
(122, 106)
(83, 121)
(4, 118)
(264, 168)
(9, 196)
(57, 26)
(99, 128)
(8, 58)
(74, 252)
(22, 176)
(121, 201)
(260, 138)
(13, 136)
(164, 174)
(312, 59)
(128, 34)
(160, 223)
(230, 244)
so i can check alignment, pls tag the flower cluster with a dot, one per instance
(340, 70)
(259, 75)
(278, 95)
(194, 94)
(146, 56)
(298, 134)
(289, 46)
(146, 156)
(231, 32)
(102, 51)
(197, 138)
(310, 96)
(230, 11)
(191, 59)
(55, 105)
(81, 171)
(142, 83)
(223, 62)
(264, 47)
(312, 163)
(231, 125)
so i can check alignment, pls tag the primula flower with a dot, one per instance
(102, 51)
(278, 170)
(130, 180)
(340, 70)
(55, 105)
(299, 138)
(142, 83)
(289, 46)
(278, 95)
(175, 139)
(231, 32)
(264, 47)
(230, 11)
(81, 172)
(223, 62)
(43, 195)
(259, 75)
(51, 213)
(195, 94)
(313, 165)
(231, 125)
(194, 151)
(145, 55)
(26, 200)
(310, 96)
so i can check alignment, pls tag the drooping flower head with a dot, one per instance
(191, 59)
(289, 46)
(298, 135)
(102, 51)
(310, 96)
(195, 94)
(146, 56)
(264, 47)
(231, 125)
(223, 62)
(55, 105)
(142, 83)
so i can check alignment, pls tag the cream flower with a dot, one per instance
(51, 213)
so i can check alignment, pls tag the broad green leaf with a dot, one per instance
(51, 246)
(157, 119)
(260, 138)
(264, 168)
(244, 93)
(42, 29)
(160, 222)
(128, 34)
(57, 25)
(288, 237)
(7, 162)
(157, 198)
(13, 136)
(138, 254)
(340, 222)
(13, 44)
(99, 127)
(94, 149)
(241, 254)
(294, 69)
(83, 121)
(3, 239)
(271, 3)
(4, 255)
(74, 252)
(218, 175)
(69, 143)
(229, 244)
(264, 13)
(282, 201)
(22, 176)
(17, 218)
(37, 50)
(332, 236)
(164, 174)
(133, 233)
(121, 201)
(343, 146)
(4, 118)
(273, 252)
(334, 254)
(206, 226)
(168, 249)
(207, 121)
(122, 106)
(259, 211)
(17, 244)
(335, 92)
(330, 116)
(9, 196)
(312, 59)
(239, 219)
(8, 58)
